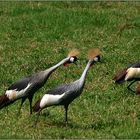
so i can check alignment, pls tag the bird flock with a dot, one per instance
(63, 94)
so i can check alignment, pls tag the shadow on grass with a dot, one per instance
(55, 122)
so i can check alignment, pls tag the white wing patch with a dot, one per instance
(49, 99)
(14, 94)
(132, 73)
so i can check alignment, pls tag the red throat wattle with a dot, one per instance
(91, 66)
(66, 64)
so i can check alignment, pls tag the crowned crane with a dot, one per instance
(130, 73)
(26, 87)
(65, 94)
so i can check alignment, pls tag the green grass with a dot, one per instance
(37, 35)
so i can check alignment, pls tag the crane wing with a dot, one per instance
(136, 65)
(20, 85)
(59, 90)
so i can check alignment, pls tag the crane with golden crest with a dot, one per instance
(26, 88)
(130, 73)
(66, 93)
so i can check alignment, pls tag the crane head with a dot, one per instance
(72, 57)
(94, 55)
(95, 60)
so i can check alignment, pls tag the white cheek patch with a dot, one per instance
(48, 100)
(71, 59)
(14, 94)
(96, 59)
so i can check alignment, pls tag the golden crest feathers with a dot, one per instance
(92, 53)
(73, 52)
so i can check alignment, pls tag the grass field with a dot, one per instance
(37, 35)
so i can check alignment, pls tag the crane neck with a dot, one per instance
(83, 76)
(53, 68)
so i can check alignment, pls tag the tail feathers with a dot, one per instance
(4, 100)
(36, 107)
(120, 76)
(138, 90)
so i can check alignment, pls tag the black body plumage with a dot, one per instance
(135, 65)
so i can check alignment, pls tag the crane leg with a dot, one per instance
(37, 118)
(131, 85)
(6, 109)
(30, 101)
(66, 113)
(22, 101)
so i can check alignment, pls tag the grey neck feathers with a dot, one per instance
(53, 68)
(83, 76)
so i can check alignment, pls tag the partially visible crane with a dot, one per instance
(65, 94)
(130, 73)
(26, 87)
